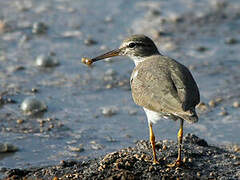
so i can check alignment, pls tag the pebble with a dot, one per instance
(39, 28)
(96, 146)
(110, 72)
(223, 112)
(164, 147)
(132, 111)
(69, 34)
(236, 148)
(110, 139)
(109, 111)
(20, 121)
(108, 19)
(34, 90)
(4, 26)
(177, 18)
(215, 102)
(231, 41)
(46, 61)
(202, 49)
(212, 103)
(155, 12)
(32, 105)
(5, 147)
(236, 104)
(90, 42)
(24, 39)
(76, 149)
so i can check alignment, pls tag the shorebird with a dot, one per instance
(161, 85)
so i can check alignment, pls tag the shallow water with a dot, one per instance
(75, 93)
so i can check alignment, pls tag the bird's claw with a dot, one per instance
(178, 163)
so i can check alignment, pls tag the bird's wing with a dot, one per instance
(186, 86)
(161, 86)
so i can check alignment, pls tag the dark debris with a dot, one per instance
(201, 161)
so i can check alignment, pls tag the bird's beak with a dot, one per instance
(115, 52)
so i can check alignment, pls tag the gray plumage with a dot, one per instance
(163, 85)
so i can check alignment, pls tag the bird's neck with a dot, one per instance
(139, 59)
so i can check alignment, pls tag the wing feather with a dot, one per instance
(164, 85)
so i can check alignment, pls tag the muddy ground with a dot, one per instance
(201, 161)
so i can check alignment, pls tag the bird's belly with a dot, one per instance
(153, 116)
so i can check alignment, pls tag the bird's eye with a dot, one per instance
(132, 45)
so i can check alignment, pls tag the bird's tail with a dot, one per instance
(191, 117)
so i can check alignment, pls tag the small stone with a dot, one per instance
(164, 147)
(202, 106)
(20, 121)
(51, 126)
(155, 12)
(109, 86)
(128, 136)
(202, 49)
(177, 18)
(24, 39)
(191, 67)
(236, 148)
(39, 28)
(34, 90)
(231, 41)
(110, 139)
(108, 19)
(218, 99)
(109, 111)
(76, 149)
(212, 103)
(132, 111)
(5, 147)
(211, 174)
(110, 72)
(90, 42)
(151, 168)
(32, 105)
(223, 113)
(215, 102)
(70, 34)
(236, 104)
(193, 139)
(4, 26)
(96, 146)
(46, 61)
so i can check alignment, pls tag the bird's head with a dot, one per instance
(136, 47)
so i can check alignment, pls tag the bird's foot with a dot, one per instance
(178, 163)
(155, 162)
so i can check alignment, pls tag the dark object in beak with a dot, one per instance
(112, 53)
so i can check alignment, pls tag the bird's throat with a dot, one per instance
(137, 59)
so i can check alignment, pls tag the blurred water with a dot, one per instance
(75, 93)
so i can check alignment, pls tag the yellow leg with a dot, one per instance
(180, 136)
(152, 140)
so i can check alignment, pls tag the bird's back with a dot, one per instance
(163, 85)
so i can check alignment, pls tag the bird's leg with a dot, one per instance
(180, 136)
(152, 140)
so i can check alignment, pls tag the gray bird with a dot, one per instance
(161, 85)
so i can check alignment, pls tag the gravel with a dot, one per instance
(201, 161)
